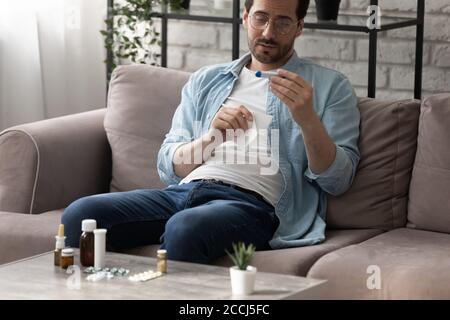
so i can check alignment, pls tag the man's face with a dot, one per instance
(269, 45)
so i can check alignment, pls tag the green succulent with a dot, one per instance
(242, 254)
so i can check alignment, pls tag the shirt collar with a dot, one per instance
(236, 66)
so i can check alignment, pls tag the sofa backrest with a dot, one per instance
(141, 103)
(378, 196)
(429, 196)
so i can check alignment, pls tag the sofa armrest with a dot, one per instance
(45, 165)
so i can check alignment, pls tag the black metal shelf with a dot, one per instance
(356, 23)
(345, 22)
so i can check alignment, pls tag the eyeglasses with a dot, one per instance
(260, 21)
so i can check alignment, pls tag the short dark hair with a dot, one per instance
(302, 7)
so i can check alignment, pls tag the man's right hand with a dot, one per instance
(233, 118)
(191, 155)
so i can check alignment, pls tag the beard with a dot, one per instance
(269, 55)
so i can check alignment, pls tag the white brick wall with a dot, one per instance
(195, 44)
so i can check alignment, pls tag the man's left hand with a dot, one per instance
(296, 93)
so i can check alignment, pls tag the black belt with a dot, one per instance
(253, 193)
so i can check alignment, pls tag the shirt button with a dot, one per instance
(209, 116)
(229, 87)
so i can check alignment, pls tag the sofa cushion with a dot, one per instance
(295, 261)
(27, 234)
(141, 103)
(411, 264)
(378, 196)
(429, 196)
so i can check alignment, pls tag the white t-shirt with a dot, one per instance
(246, 160)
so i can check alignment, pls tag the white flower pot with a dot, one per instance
(242, 281)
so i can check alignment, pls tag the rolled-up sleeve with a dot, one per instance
(341, 119)
(181, 132)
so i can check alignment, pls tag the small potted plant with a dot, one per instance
(242, 274)
(327, 10)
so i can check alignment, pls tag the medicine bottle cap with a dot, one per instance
(161, 252)
(67, 252)
(88, 225)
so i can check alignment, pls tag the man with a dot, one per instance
(307, 119)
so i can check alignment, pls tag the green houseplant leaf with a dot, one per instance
(131, 33)
(241, 255)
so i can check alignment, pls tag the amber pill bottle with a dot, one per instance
(87, 242)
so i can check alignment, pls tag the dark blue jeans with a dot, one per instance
(194, 222)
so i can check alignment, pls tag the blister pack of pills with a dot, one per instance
(99, 276)
(145, 276)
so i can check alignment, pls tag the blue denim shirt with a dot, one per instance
(302, 205)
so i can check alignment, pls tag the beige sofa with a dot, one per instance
(387, 237)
